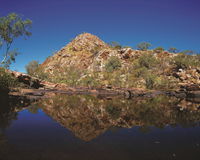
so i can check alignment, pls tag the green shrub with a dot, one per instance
(6, 81)
(112, 64)
(89, 81)
(115, 45)
(173, 50)
(185, 61)
(159, 49)
(147, 60)
(150, 81)
(32, 67)
(140, 72)
(144, 46)
(71, 77)
(41, 74)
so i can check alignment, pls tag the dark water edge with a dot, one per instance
(88, 127)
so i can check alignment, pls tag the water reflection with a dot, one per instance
(88, 116)
(130, 128)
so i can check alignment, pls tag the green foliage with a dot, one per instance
(96, 50)
(71, 77)
(41, 74)
(173, 50)
(112, 64)
(147, 61)
(150, 81)
(6, 80)
(11, 27)
(185, 61)
(144, 46)
(140, 71)
(89, 81)
(115, 45)
(159, 49)
(187, 52)
(32, 67)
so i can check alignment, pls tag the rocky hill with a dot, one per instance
(78, 53)
(88, 61)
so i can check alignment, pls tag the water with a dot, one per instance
(100, 128)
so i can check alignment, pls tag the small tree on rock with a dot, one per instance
(173, 50)
(144, 46)
(32, 67)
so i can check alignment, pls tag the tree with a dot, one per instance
(173, 50)
(32, 67)
(115, 45)
(188, 52)
(143, 46)
(11, 27)
(112, 64)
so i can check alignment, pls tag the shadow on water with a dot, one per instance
(99, 128)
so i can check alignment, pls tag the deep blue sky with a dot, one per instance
(55, 22)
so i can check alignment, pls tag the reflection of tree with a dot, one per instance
(9, 107)
(87, 116)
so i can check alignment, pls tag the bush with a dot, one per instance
(150, 81)
(32, 67)
(113, 64)
(41, 74)
(71, 77)
(89, 81)
(185, 61)
(147, 61)
(144, 46)
(6, 81)
(173, 50)
(115, 45)
(159, 49)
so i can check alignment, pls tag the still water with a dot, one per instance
(73, 127)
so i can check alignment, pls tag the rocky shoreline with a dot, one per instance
(40, 88)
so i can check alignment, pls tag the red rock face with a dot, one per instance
(78, 53)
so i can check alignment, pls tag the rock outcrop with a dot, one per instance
(78, 53)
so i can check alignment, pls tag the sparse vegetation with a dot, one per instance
(173, 50)
(183, 61)
(159, 49)
(113, 67)
(147, 60)
(32, 67)
(115, 45)
(112, 64)
(144, 46)
(6, 81)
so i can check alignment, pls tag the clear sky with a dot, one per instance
(55, 22)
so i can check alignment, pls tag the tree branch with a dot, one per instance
(7, 51)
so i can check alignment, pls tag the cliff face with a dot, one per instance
(88, 61)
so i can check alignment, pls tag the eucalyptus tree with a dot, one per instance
(144, 46)
(12, 26)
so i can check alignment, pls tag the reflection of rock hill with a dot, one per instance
(88, 117)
